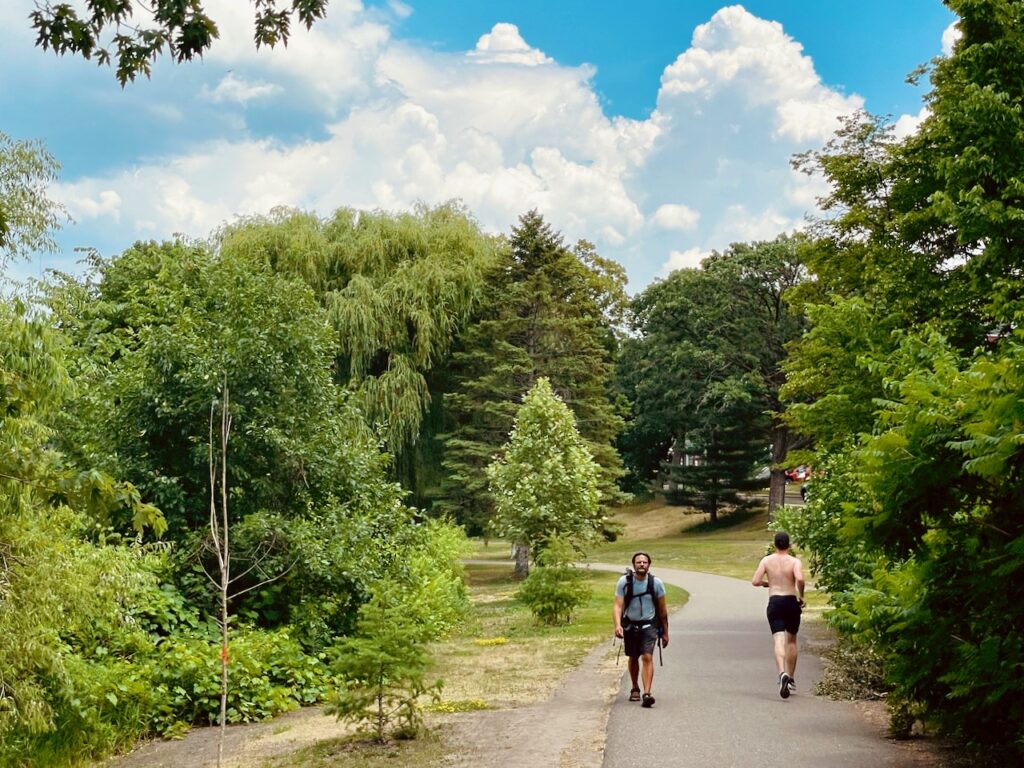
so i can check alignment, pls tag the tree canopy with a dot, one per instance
(704, 369)
(909, 383)
(545, 483)
(548, 311)
(28, 217)
(111, 32)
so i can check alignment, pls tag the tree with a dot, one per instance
(107, 30)
(545, 484)
(556, 588)
(722, 447)
(397, 289)
(152, 334)
(705, 368)
(72, 593)
(27, 216)
(383, 668)
(910, 383)
(548, 311)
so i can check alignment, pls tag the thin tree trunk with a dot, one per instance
(678, 456)
(219, 536)
(777, 487)
(522, 555)
(225, 574)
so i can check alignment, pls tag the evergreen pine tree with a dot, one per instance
(548, 311)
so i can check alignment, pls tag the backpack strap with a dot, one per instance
(628, 598)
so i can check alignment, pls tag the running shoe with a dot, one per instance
(784, 681)
(648, 701)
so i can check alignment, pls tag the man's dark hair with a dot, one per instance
(637, 554)
(781, 540)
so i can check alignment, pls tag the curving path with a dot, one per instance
(717, 699)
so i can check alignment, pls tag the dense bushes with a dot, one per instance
(106, 623)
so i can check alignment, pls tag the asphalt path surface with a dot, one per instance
(717, 700)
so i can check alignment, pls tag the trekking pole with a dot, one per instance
(661, 661)
(618, 651)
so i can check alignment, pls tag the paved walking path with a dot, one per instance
(717, 697)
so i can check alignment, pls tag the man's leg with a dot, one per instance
(648, 659)
(781, 650)
(634, 670)
(791, 654)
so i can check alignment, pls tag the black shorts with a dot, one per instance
(639, 641)
(784, 614)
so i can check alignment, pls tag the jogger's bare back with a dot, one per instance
(782, 571)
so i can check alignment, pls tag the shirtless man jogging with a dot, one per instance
(782, 573)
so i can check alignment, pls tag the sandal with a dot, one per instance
(648, 701)
(634, 695)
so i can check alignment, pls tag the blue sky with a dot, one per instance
(657, 130)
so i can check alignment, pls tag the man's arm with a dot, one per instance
(798, 574)
(617, 614)
(760, 579)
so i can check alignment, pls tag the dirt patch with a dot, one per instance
(564, 730)
(245, 746)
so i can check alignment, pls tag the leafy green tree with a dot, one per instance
(705, 368)
(545, 484)
(909, 383)
(154, 333)
(549, 311)
(27, 216)
(182, 27)
(397, 289)
(70, 590)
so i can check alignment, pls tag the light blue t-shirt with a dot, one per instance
(641, 607)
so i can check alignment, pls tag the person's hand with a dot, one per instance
(618, 631)
(801, 601)
(664, 639)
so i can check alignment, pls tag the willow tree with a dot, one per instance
(398, 288)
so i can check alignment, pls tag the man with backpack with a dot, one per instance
(641, 620)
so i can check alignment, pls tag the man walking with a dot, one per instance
(783, 574)
(641, 619)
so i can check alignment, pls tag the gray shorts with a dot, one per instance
(640, 641)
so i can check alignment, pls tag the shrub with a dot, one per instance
(556, 588)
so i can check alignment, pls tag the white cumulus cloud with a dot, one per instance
(503, 127)
(676, 216)
(950, 35)
(235, 89)
(504, 45)
(688, 259)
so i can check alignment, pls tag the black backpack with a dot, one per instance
(628, 598)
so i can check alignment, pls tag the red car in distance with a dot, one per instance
(798, 474)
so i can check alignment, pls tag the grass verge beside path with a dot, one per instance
(504, 657)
